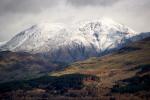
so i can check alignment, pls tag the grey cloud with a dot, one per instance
(17, 15)
(36, 6)
(25, 6)
(92, 2)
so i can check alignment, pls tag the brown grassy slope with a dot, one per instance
(123, 75)
(21, 65)
(126, 71)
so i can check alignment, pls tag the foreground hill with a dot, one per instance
(122, 75)
(21, 65)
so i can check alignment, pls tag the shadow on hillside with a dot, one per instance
(141, 68)
(137, 83)
(49, 83)
(128, 49)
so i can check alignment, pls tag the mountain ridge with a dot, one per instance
(71, 43)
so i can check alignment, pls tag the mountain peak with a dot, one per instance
(103, 25)
(47, 27)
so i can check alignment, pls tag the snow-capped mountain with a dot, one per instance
(68, 43)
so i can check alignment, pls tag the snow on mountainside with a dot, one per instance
(2, 43)
(68, 43)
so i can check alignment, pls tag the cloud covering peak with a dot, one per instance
(17, 15)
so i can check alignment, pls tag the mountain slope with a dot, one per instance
(19, 66)
(122, 75)
(130, 56)
(69, 43)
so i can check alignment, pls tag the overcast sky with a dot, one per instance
(17, 15)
